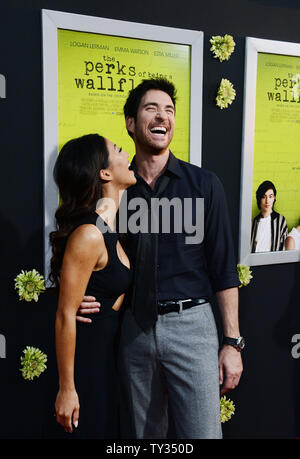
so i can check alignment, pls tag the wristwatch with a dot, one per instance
(238, 343)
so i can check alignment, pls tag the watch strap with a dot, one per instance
(238, 343)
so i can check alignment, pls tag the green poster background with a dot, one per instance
(95, 74)
(277, 132)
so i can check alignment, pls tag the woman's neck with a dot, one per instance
(108, 205)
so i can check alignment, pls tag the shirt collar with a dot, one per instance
(173, 166)
(273, 215)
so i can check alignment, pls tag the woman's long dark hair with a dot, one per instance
(76, 173)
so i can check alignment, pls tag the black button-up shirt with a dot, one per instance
(165, 265)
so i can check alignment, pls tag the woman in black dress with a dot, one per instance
(89, 260)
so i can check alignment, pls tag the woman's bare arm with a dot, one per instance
(290, 243)
(84, 248)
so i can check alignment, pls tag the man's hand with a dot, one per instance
(230, 368)
(87, 306)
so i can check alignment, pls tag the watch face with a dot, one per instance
(241, 342)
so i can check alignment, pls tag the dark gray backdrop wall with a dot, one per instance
(267, 400)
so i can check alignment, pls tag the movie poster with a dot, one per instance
(277, 132)
(95, 74)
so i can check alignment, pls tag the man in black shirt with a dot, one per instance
(169, 345)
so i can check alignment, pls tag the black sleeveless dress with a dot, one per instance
(96, 345)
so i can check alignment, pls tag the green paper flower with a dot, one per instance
(222, 47)
(33, 362)
(29, 285)
(245, 274)
(227, 408)
(226, 94)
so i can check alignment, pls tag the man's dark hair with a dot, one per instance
(135, 95)
(261, 190)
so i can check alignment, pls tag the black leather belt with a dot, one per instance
(163, 307)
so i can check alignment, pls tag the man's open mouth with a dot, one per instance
(160, 130)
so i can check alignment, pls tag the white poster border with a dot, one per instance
(253, 47)
(54, 20)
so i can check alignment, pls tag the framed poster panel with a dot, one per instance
(270, 153)
(89, 66)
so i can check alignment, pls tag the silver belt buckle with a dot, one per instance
(180, 304)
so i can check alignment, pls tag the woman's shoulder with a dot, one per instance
(86, 237)
(295, 232)
(87, 228)
(87, 231)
